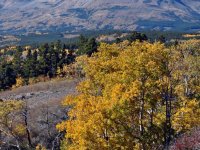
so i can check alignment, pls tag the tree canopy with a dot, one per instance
(134, 96)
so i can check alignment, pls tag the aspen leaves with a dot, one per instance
(121, 102)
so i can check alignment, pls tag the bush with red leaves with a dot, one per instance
(188, 141)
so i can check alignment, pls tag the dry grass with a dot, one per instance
(44, 101)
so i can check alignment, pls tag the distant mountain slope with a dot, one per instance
(75, 15)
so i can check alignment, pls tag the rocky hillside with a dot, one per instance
(75, 15)
(43, 100)
(44, 109)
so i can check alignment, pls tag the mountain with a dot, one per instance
(22, 16)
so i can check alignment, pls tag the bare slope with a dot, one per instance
(42, 92)
(44, 107)
(76, 15)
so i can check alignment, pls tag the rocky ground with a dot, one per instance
(44, 106)
(42, 92)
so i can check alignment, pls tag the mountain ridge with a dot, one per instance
(63, 15)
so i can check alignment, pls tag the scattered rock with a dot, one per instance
(19, 97)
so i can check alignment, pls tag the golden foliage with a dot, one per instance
(9, 106)
(40, 147)
(19, 82)
(10, 123)
(121, 104)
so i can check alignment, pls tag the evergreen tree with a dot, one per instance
(7, 75)
(27, 67)
(118, 40)
(137, 36)
(44, 59)
(54, 57)
(17, 61)
(58, 46)
(82, 45)
(161, 39)
(91, 46)
(70, 56)
(35, 64)
(87, 46)
(63, 55)
(30, 67)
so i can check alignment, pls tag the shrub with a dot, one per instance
(187, 141)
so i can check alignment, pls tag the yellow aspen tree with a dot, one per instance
(123, 101)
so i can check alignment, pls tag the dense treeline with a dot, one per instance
(32, 63)
(45, 60)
